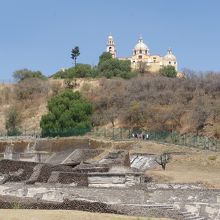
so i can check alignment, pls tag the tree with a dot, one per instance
(79, 71)
(104, 57)
(75, 53)
(115, 68)
(67, 112)
(143, 67)
(136, 114)
(20, 75)
(12, 122)
(168, 71)
(163, 159)
(83, 70)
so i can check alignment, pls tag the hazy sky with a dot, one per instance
(39, 34)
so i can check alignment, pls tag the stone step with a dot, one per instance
(185, 212)
(150, 205)
(199, 218)
(194, 218)
(168, 208)
(191, 216)
(188, 214)
(171, 209)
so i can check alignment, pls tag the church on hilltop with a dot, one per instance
(141, 58)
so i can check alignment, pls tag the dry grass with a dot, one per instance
(187, 165)
(61, 214)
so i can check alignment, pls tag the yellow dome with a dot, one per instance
(141, 45)
(169, 56)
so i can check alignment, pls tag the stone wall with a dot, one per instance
(96, 179)
(76, 179)
(28, 203)
(9, 166)
(31, 172)
(120, 157)
(114, 179)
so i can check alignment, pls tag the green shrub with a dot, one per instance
(20, 75)
(168, 71)
(69, 114)
(112, 67)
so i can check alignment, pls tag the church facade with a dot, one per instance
(141, 59)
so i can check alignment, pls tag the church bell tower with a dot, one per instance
(111, 48)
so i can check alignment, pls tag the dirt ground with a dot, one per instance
(187, 165)
(19, 214)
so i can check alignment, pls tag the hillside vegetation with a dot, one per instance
(190, 105)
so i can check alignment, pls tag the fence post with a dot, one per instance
(173, 137)
(121, 133)
(193, 141)
(184, 140)
(105, 132)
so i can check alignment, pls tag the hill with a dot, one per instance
(190, 105)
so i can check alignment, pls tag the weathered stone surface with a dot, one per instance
(54, 177)
(30, 203)
(106, 180)
(142, 162)
(117, 158)
(36, 173)
(192, 202)
(80, 155)
(10, 166)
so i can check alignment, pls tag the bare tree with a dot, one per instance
(163, 159)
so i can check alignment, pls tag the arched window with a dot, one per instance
(140, 51)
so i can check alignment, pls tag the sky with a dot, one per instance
(39, 34)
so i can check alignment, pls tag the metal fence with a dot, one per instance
(48, 133)
(34, 133)
(190, 140)
(65, 132)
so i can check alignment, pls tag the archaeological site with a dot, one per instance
(90, 174)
